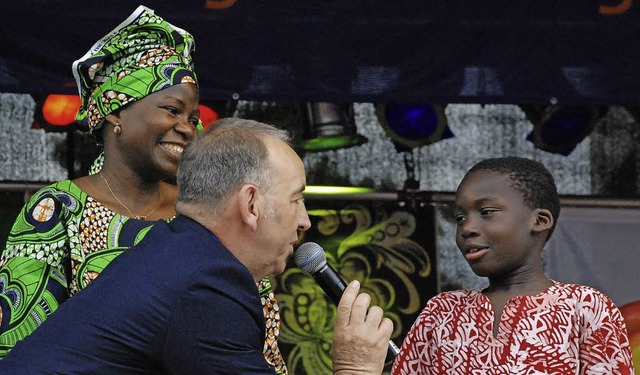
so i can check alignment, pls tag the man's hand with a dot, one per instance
(360, 337)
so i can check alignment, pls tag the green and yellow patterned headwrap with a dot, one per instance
(143, 55)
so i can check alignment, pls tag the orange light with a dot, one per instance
(208, 115)
(631, 313)
(60, 109)
(219, 4)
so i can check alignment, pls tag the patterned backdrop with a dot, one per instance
(390, 249)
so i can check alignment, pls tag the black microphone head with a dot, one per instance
(310, 257)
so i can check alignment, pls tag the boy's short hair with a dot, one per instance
(531, 178)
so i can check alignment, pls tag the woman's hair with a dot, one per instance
(529, 177)
(231, 152)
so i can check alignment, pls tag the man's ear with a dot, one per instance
(247, 200)
(543, 220)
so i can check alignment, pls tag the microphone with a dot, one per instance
(310, 257)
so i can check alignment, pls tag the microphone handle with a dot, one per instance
(330, 282)
(392, 352)
(333, 286)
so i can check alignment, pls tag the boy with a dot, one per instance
(523, 322)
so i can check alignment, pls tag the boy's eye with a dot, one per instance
(487, 211)
(459, 218)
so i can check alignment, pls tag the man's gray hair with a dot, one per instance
(220, 159)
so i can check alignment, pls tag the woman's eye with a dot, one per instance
(172, 110)
(194, 121)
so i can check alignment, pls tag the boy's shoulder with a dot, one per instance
(456, 296)
(583, 293)
(576, 288)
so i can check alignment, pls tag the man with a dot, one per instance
(184, 300)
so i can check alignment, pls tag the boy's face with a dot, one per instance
(495, 228)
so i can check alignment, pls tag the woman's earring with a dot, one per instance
(117, 129)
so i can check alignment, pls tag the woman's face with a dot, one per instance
(156, 129)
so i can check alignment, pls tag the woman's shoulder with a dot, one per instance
(68, 186)
(66, 192)
(50, 205)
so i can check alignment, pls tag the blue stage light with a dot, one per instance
(414, 125)
(559, 129)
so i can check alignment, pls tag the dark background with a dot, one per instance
(455, 51)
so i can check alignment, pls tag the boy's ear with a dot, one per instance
(543, 220)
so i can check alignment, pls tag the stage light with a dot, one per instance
(213, 110)
(414, 125)
(331, 126)
(631, 314)
(558, 129)
(314, 189)
(55, 112)
(208, 115)
(60, 109)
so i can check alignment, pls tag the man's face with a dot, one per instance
(284, 213)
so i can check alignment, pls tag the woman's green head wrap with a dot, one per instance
(144, 54)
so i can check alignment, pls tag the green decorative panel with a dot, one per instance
(390, 249)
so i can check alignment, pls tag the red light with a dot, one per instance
(208, 115)
(631, 314)
(60, 109)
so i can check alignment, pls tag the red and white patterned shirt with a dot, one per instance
(567, 329)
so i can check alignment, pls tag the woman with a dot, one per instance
(140, 99)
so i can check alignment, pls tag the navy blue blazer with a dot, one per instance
(177, 303)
